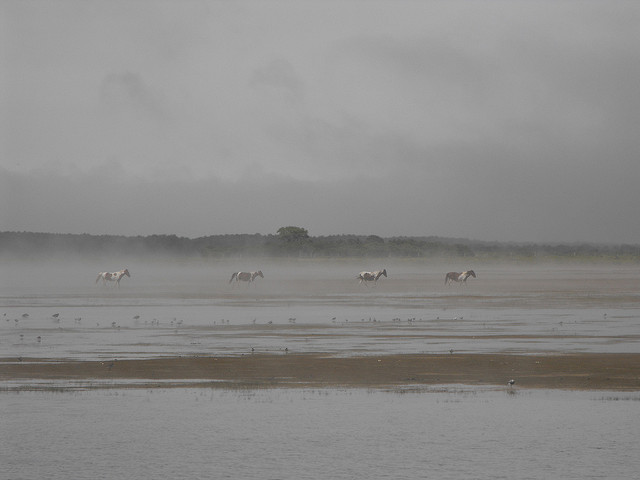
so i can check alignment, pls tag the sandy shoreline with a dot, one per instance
(579, 371)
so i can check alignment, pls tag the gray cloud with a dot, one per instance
(128, 91)
(534, 205)
(497, 121)
(279, 75)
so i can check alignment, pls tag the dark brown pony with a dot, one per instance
(458, 277)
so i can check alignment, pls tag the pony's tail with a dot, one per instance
(235, 274)
(446, 278)
(99, 275)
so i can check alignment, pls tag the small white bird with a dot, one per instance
(511, 382)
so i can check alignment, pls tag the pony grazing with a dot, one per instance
(459, 277)
(112, 276)
(246, 276)
(371, 276)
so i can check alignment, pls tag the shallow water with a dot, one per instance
(445, 433)
(308, 306)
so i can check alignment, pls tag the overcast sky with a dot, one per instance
(491, 120)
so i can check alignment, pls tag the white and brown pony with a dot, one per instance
(459, 277)
(246, 276)
(112, 276)
(371, 276)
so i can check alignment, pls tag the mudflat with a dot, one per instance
(591, 371)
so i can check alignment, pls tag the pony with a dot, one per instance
(459, 277)
(112, 276)
(246, 276)
(371, 276)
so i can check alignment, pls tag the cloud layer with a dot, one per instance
(489, 120)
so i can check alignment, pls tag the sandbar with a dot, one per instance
(589, 371)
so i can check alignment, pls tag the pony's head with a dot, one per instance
(126, 272)
(384, 272)
(471, 273)
(259, 274)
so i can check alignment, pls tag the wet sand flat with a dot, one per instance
(546, 326)
(575, 371)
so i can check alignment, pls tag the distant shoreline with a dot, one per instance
(38, 246)
(597, 371)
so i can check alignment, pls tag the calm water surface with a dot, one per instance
(448, 433)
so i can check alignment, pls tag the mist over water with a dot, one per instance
(57, 310)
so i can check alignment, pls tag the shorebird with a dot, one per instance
(511, 382)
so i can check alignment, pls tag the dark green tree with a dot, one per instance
(293, 234)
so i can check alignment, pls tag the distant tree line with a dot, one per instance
(295, 242)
